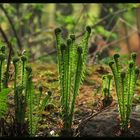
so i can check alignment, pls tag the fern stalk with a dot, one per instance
(23, 59)
(71, 65)
(29, 95)
(16, 98)
(2, 58)
(77, 81)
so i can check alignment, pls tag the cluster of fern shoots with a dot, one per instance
(125, 82)
(28, 105)
(71, 63)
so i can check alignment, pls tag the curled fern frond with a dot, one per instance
(72, 36)
(88, 29)
(15, 60)
(133, 57)
(57, 31)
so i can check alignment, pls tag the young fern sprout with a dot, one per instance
(16, 96)
(72, 37)
(109, 83)
(106, 83)
(40, 93)
(29, 98)
(3, 89)
(19, 108)
(133, 57)
(15, 61)
(20, 91)
(34, 105)
(45, 101)
(71, 67)
(28, 87)
(125, 86)
(78, 76)
(40, 108)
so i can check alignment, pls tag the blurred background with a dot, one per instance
(30, 27)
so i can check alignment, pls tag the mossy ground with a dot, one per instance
(88, 101)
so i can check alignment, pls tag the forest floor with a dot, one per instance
(88, 103)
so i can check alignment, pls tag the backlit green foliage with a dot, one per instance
(71, 64)
(125, 82)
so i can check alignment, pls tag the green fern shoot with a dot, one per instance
(71, 67)
(125, 87)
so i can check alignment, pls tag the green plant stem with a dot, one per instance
(62, 76)
(118, 81)
(16, 98)
(123, 98)
(1, 63)
(23, 72)
(109, 82)
(114, 71)
(76, 84)
(129, 92)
